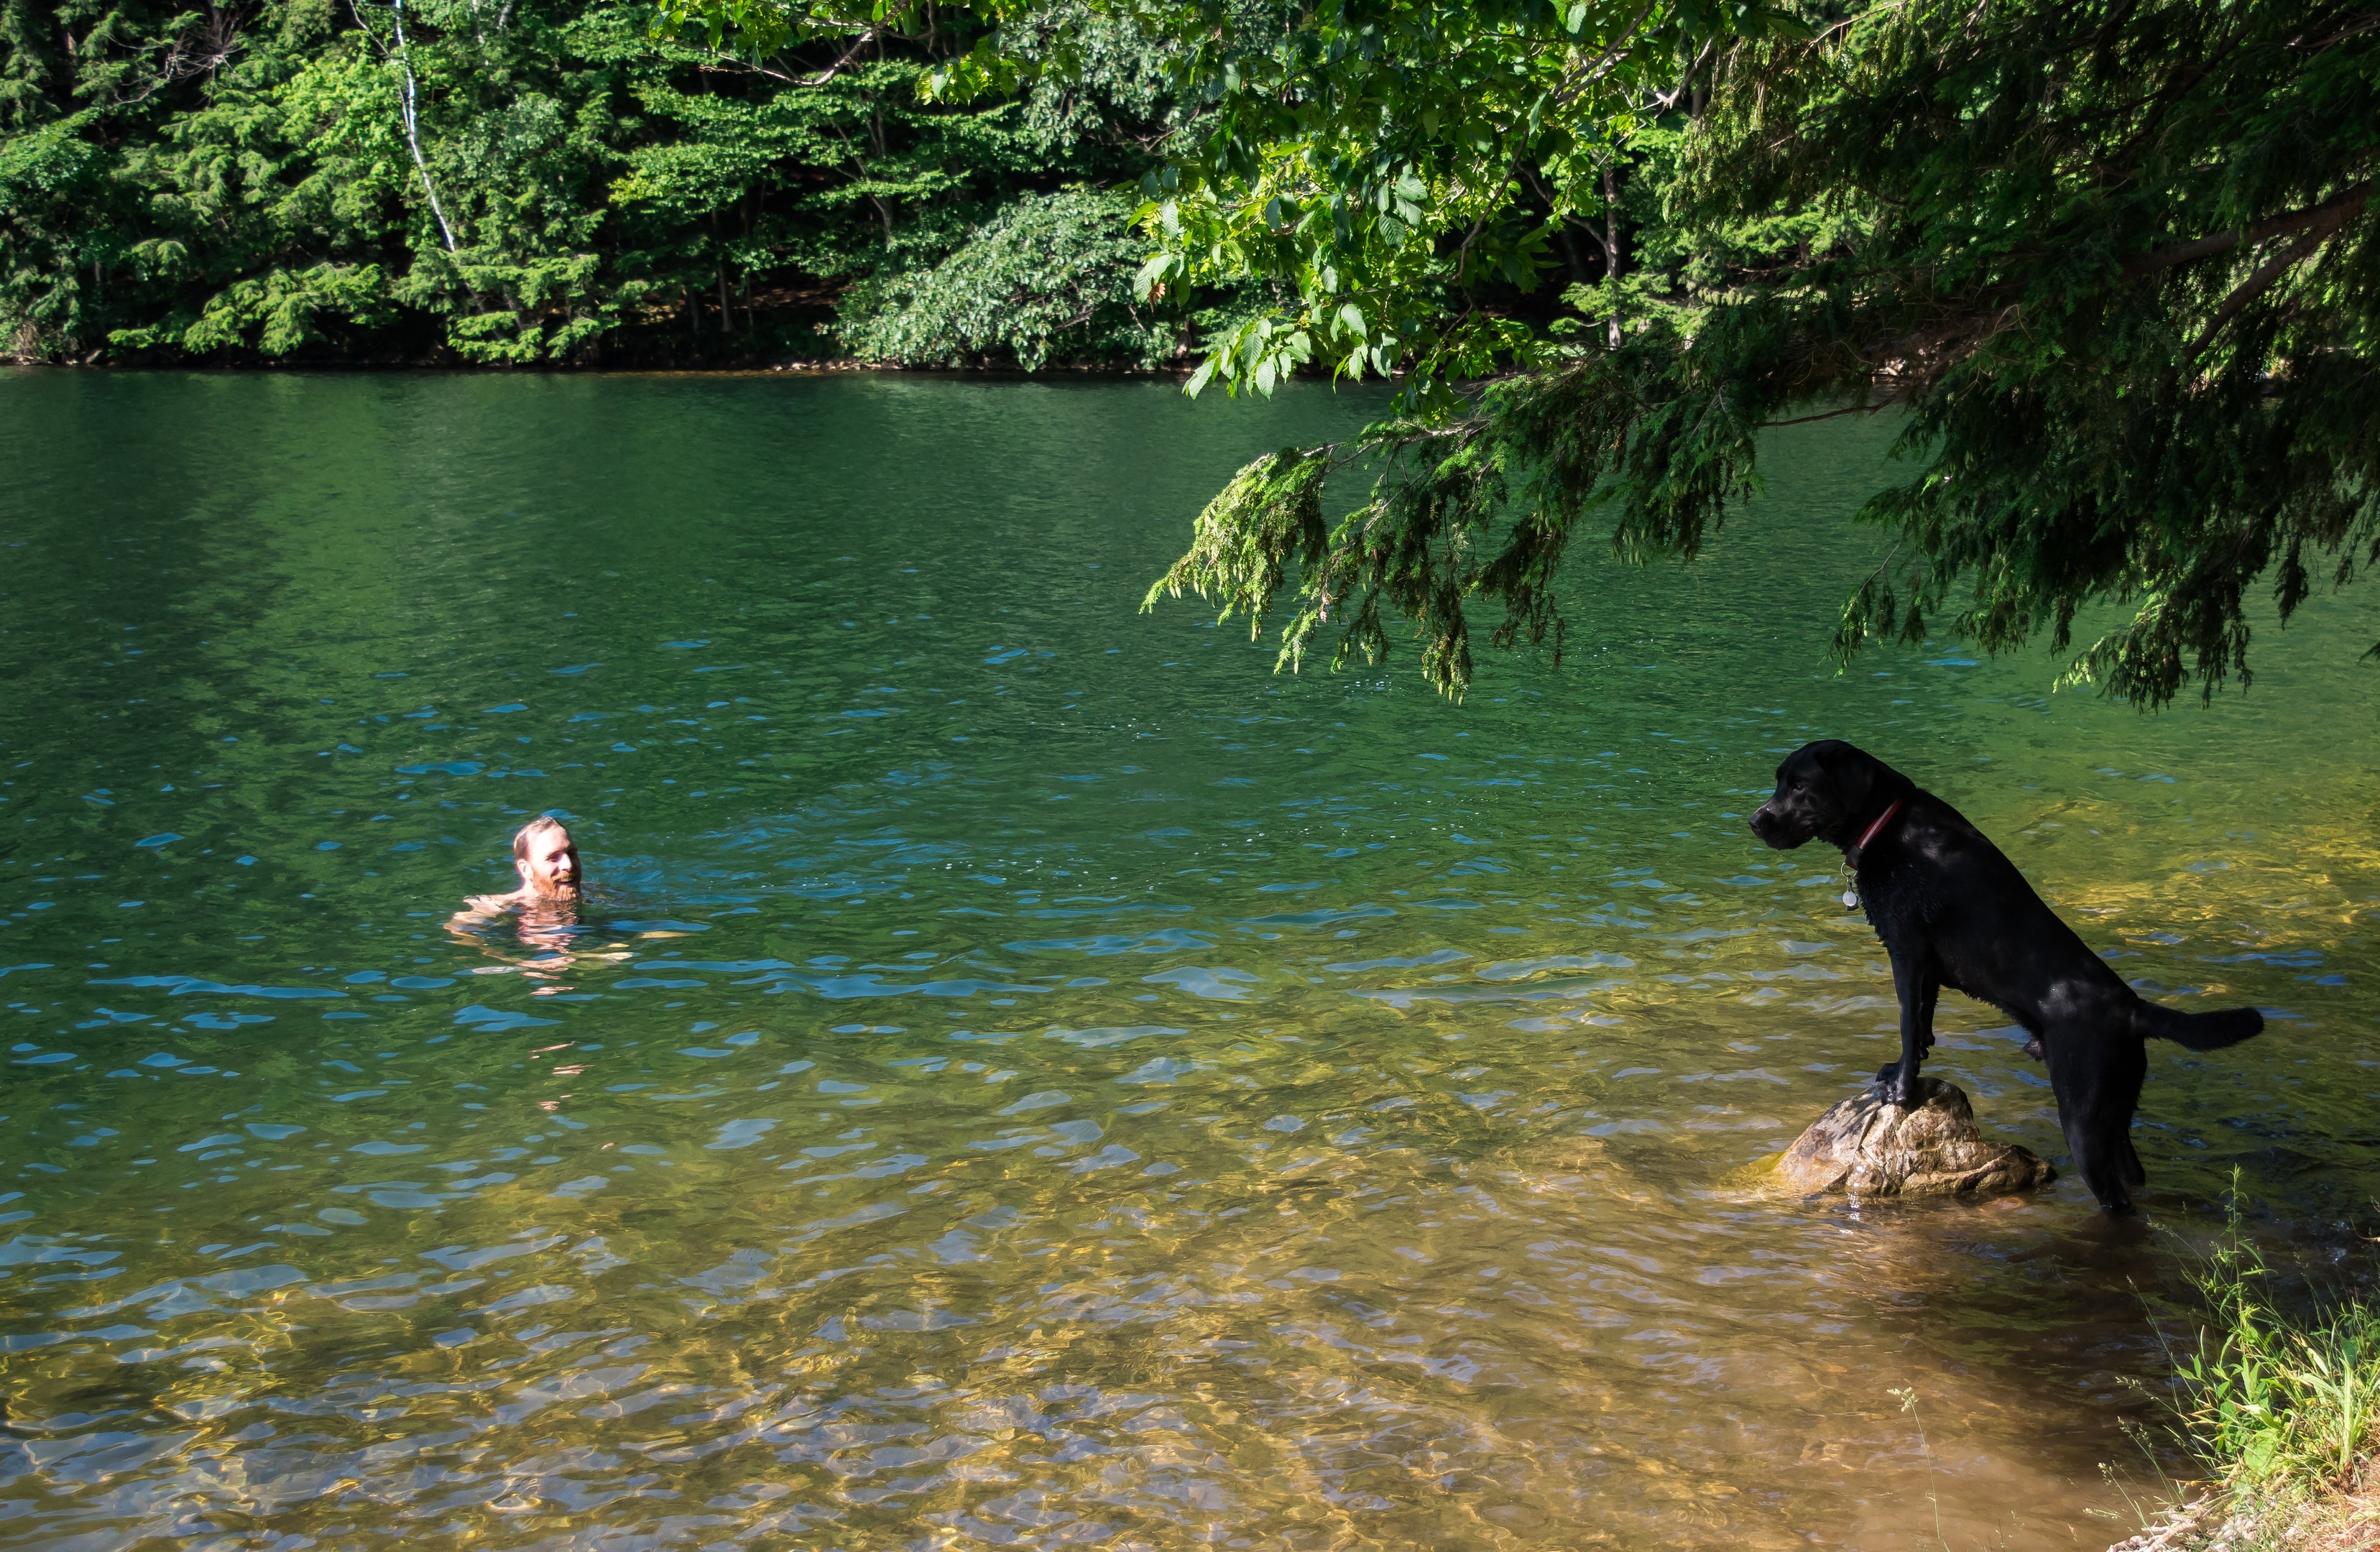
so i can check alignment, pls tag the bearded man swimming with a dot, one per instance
(547, 860)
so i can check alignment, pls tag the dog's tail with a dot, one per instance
(2225, 1026)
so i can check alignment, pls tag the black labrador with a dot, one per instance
(1952, 911)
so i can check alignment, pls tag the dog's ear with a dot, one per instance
(1851, 770)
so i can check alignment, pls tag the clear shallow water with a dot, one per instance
(1039, 1080)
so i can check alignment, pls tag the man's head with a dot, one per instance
(546, 857)
(1822, 789)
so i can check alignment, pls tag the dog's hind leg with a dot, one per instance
(2097, 1080)
(2106, 1162)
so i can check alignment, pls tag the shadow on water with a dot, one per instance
(1039, 1080)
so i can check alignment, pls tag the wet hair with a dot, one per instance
(537, 826)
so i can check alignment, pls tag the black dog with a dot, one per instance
(1953, 912)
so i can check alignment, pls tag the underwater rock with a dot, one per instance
(1868, 1147)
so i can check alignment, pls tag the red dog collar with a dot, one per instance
(1881, 820)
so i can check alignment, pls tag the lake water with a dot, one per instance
(1038, 1079)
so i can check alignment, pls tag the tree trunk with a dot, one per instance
(750, 324)
(412, 137)
(1613, 258)
(1573, 259)
(719, 248)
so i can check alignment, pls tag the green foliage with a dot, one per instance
(1482, 504)
(1394, 167)
(516, 182)
(1270, 515)
(1385, 172)
(1046, 274)
(2111, 264)
(2277, 1406)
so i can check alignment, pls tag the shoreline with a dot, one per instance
(565, 368)
(2332, 1519)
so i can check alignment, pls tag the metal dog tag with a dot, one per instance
(1850, 898)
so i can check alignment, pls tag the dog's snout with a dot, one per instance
(1777, 830)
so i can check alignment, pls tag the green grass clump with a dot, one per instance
(2279, 1407)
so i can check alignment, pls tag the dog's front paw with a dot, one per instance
(1894, 1088)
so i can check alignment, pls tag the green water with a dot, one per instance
(1039, 1080)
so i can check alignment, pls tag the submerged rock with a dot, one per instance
(1868, 1147)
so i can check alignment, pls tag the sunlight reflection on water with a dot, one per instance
(1033, 1079)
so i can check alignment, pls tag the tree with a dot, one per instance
(516, 182)
(1046, 271)
(2110, 262)
(1367, 164)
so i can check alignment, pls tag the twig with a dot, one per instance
(1832, 414)
(2254, 286)
(1564, 96)
(1881, 565)
(1685, 77)
(841, 61)
(2337, 209)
